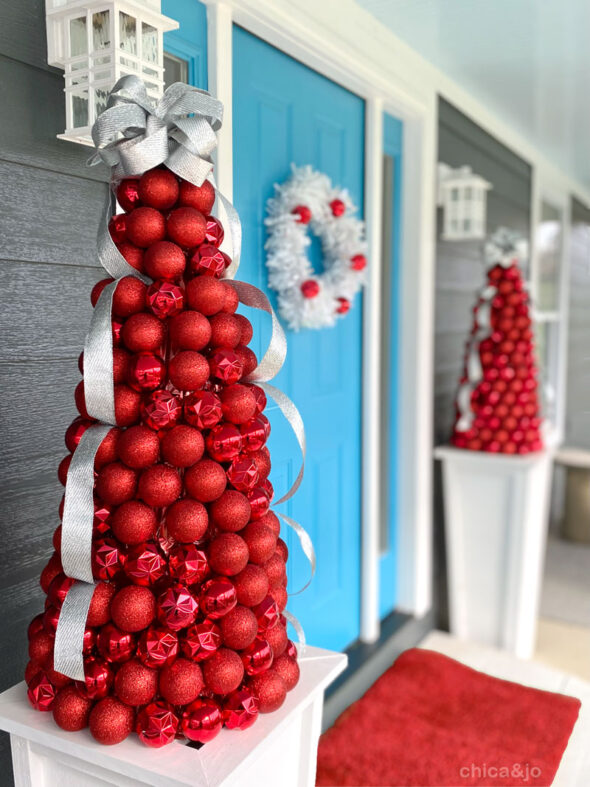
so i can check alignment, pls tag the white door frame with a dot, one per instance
(288, 29)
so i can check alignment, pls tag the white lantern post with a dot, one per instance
(96, 43)
(463, 196)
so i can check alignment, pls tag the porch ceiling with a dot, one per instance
(528, 61)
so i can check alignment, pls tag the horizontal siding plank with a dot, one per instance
(22, 32)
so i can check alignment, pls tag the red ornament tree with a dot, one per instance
(185, 631)
(497, 407)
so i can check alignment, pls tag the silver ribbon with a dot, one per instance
(298, 629)
(306, 546)
(109, 255)
(98, 360)
(69, 636)
(274, 357)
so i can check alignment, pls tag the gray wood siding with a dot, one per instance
(577, 423)
(50, 207)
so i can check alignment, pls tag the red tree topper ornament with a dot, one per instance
(497, 407)
(180, 605)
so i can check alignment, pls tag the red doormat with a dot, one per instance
(433, 722)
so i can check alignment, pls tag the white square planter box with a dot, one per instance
(279, 749)
(496, 520)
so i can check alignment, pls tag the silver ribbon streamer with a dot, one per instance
(78, 516)
(109, 255)
(69, 636)
(295, 420)
(274, 357)
(98, 360)
(306, 546)
(298, 629)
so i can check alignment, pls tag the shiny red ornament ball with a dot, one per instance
(261, 542)
(157, 647)
(71, 710)
(270, 689)
(223, 672)
(111, 721)
(136, 684)
(288, 669)
(239, 628)
(98, 679)
(58, 589)
(224, 442)
(80, 400)
(157, 724)
(35, 626)
(107, 558)
(291, 650)
(159, 485)
(50, 571)
(208, 260)
(158, 188)
(267, 614)
(257, 657)
(240, 709)
(231, 511)
(129, 296)
(186, 227)
(242, 473)
(225, 330)
(164, 260)
(228, 554)
(161, 409)
(338, 207)
(238, 404)
(115, 645)
(201, 640)
(343, 306)
(144, 564)
(187, 520)
(128, 194)
(50, 619)
(41, 692)
(206, 295)
(180, 682)
(146, 372)
(203, 409)
(218, 597)
(99, 611)
(127, 405)
(188, 370)
(214, 233)
(255, 432)
(177, 607)
(201, 198)
(145, 226)
(188, 564)
(116, 483)
(182, 446)
(131, 254)
(202, 720)
(190, 331)
(205, 481)
(164, 299)
(310, 288)
(134, 522)
(138, 447)
(133, 608)
(259, 502)
(143, 333)
(251, 585)
(75, 431)
(118, 227)
(303, 214)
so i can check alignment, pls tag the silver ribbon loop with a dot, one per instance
(295, 421)
(67, 656)
(298, 629)
(98, 360)
(78, 516)
(306, 546)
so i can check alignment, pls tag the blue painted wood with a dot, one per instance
(282, 113)
(189, 42)
(392, 147)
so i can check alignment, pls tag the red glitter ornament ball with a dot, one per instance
(208, 260)
(161, 409)
(96, 291)
(98, 679)
(40, 647)
(158, 188)
(50, 571)
(80, 400)
(136, 684)
(177, 607)
(276, 570)
(277, 638)
(288, 669)
(41, 692)
(270, 689)
(206, 295)
(111, 721)
(247, 358)
(257, 657)
(251, 585)
(182, 446)
(240, 709)
(146, 372)
(127, 405)
(214, 233)
(129, 296)
(107, 450)
(201, 640)
(218, 597)
(231, 511)
(133, 608)
(128, 194)
(186, 227)
(157, 647)
(188, 564)
(310, 288)
(138, 447)
(261, 542)
(116, 483)
(134, 522)
(202, 720)
(200, 198)
(279, 593)
(159, 485)
(224, 442)
(246, 330)
(157, 724)
(228, 554)
(164, 260)
(181, 682)
(242, 473)
(188, 370)
(225, 330)
(187, 520)
(99, 611)
(239, 628)
(205, 481)
(202, 409)
(232, 300)
(238, 404)
(190, 331)
(223, 672)
(120, 361)
(261, 459)
(115, 645)
(143, 332)
(145, 226)
(71, 710)
(164, 299)
(132, 254)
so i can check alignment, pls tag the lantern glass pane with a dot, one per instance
(149, 43)
(102, 61)
(101, 34)
(128, 33)
(78, 39)
(128, 64)
(100, 100)
(80, 109)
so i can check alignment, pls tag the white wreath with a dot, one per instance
(331, 216)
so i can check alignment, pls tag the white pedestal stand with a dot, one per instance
(279, 749)
(496, 519)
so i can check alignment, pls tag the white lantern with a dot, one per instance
(96, 43)
(463, 195)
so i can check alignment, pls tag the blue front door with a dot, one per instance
(283, 112)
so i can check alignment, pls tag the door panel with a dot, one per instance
(284, 112)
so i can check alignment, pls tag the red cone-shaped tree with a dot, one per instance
(497, 408)
(185, 631)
